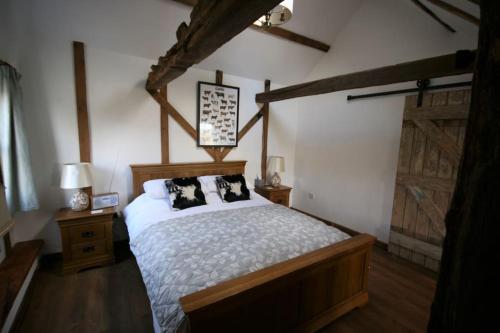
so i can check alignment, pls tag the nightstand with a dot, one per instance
(279, 195)
(87, 239)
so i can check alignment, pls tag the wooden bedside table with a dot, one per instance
(279, 195)
(87, 239)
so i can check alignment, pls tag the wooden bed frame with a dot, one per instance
(302, 294)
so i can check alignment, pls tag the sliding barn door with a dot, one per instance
(430, 150)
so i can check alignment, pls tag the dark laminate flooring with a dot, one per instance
(113, 299)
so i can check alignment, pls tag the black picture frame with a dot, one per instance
(218, 113)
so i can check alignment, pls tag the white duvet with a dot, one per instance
(144, 212)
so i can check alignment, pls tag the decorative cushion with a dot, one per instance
(185, 193)
(232, 188)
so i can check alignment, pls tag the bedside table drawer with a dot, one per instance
(280, 198)
(85, 233)
(88, 249)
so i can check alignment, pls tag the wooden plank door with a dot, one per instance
(430, 150)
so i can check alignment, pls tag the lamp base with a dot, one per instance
(79, 201)
(275, 180)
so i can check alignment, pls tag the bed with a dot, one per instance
(243, 266)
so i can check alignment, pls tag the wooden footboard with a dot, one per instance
(299, 295)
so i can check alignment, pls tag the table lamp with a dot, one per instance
(77, 176)
(276, 164)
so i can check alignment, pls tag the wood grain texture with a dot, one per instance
(446, 65)
(430, 208)
(292, 37)
(164, 104)
(444, 141)
(13, 272)
(265, 134)
(145, 172)
(81, 101)
(426, 182)
(114, 299)
(165, 153)
(445, 112)
(424, 166)
(302, 294)
(279, 195)
(433, 15)
(279, 32)
(468, 282)
(456, 11)
(212, 24)
(87, 239)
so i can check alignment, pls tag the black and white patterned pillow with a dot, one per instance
(232, 188)
(185, 193)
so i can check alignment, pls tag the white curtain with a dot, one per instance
(14, 153)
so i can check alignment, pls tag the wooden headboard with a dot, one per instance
(145, 172)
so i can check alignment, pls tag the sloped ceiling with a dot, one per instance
(260, 56)
(147, 28)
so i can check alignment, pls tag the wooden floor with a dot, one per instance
(113, 299)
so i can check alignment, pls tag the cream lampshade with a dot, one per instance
(6, 221)
(275, 165)
(77, 176)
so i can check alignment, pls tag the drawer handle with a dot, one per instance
(88, 234)
(88, 249)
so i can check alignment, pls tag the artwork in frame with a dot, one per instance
(218, 113)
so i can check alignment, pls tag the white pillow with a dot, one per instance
(156, 189)
(208, 184)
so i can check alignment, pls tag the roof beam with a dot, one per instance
(429, 12)
(279, 32)
(455, 11)
(213, 23)
(457, 63)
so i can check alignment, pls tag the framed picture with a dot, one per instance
(218, 113)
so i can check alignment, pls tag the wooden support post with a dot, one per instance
(265, 128)
(81, 105)
(429, 12)
(165, 158)
(178, 117)
(456, 11)
(81, 101)
(243, 131)
(467, 289)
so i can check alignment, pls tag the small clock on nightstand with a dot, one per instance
(279, 195)
(87, 238)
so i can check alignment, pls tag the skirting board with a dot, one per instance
(347, 230)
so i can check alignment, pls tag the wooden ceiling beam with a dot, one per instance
(213, 23)
(429, 12)
(292, 37)
(457, 63)
(279, 32)
(455, 11)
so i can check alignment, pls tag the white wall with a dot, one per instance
(124, 119)
(347, 152)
